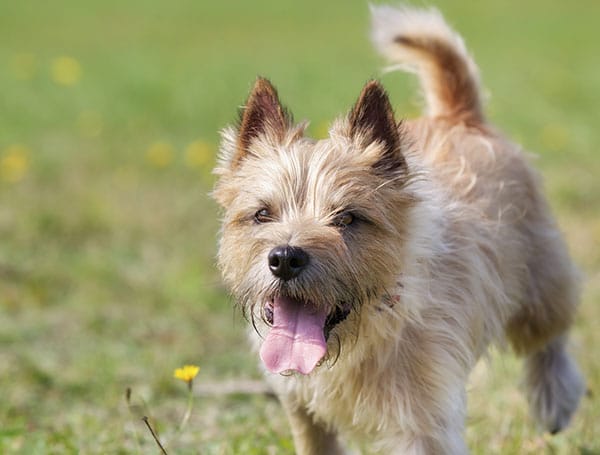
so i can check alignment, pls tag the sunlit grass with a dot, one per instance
(109, 120)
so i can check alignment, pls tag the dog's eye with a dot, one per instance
(344, 219)
(263, 216)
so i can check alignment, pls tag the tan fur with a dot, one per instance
(460, 250)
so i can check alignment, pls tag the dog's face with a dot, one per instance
(313, 230)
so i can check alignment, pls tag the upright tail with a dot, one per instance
(419, 40)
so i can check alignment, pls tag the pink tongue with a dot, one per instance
(296, 341)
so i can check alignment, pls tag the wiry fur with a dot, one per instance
(453, 248)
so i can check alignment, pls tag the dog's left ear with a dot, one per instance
(372, 120)
(263, 114)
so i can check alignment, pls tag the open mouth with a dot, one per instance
(340, 313)
(297, 340)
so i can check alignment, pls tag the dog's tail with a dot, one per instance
(554, 385)
(419, 40)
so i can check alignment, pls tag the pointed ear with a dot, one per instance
(372, 119)
(262, 113)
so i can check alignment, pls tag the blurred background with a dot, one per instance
(109, 119)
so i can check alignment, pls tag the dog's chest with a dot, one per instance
(350, 399)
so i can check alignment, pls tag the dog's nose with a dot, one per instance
(286, 262)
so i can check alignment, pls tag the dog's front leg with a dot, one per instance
(444, 437)
(446, 444)
(310, 437)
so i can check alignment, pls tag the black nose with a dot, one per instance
(286, 262)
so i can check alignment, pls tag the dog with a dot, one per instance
(377, 265)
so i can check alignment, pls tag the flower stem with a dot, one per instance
(188, 411)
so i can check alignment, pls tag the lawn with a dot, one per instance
(109, 119)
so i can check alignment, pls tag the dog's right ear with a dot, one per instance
(372, 120)
(263, 114)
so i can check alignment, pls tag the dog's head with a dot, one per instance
(313, 231)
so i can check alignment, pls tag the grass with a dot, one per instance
(107, 277)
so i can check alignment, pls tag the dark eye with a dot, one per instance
(344, 219)
(263, 216)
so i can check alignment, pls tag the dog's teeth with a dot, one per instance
(269, 314)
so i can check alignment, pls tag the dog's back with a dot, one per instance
(489, 180)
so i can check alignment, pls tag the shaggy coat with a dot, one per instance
(423, 242)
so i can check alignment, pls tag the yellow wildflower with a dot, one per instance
(187, 373)
(66, 71)
(14, 163)
(160, 154)
(198, 154)
(322, 130)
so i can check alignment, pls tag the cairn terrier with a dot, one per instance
(377, 265)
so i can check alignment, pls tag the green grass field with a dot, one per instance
(109, 113)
